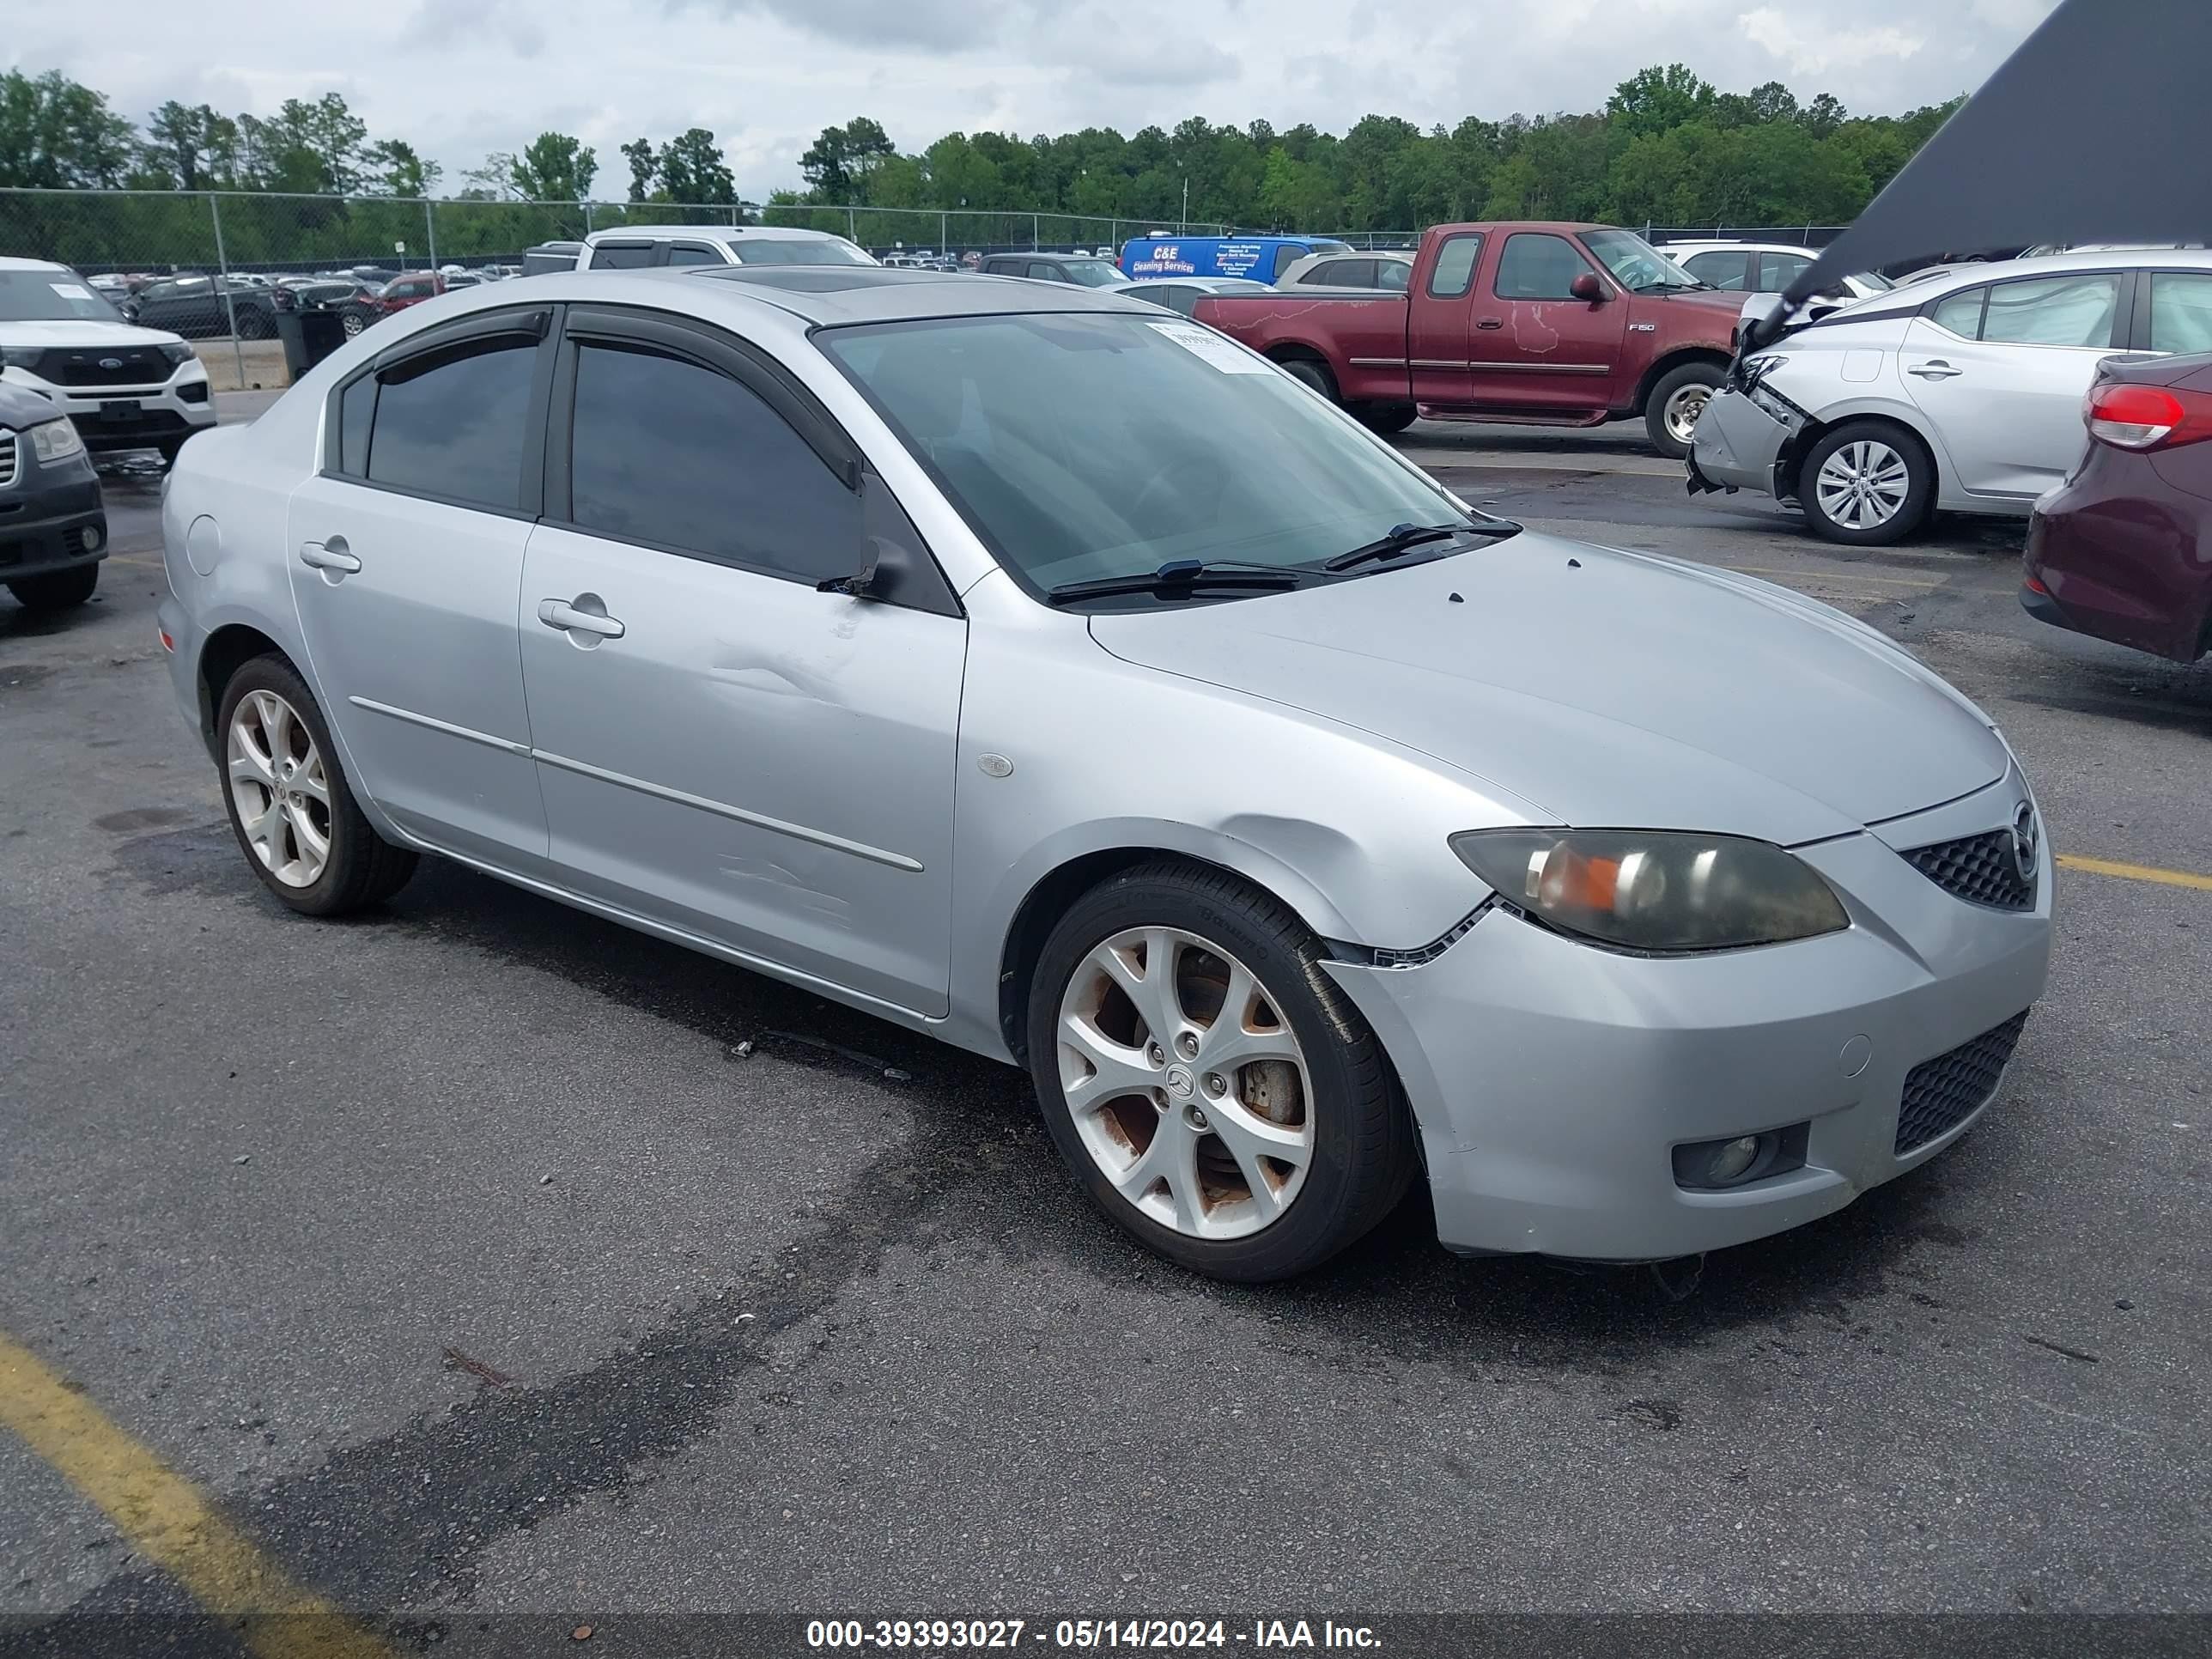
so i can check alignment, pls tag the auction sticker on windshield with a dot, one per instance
(1202, 342)
(71, 290)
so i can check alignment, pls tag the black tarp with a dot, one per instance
(2095, 130)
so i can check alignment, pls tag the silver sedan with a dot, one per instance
(1056, 676)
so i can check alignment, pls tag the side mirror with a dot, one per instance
(1587, 288)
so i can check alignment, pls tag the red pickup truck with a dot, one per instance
(1552, 323)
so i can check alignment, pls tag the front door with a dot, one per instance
(1534, 345)
(2001, 372)
(724, 748)
(405, 555)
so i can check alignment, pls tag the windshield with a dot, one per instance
(1635, 264)
(1087, 445)
(1874, 280)
(52, 296)
(830, 250)
(1093, 273)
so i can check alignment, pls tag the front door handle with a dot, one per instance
(1490, 322)
(566, 616)
(1935, 369)
(328, 554)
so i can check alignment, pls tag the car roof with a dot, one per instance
(1956, 277)
(831, 294)
(30, 264)
(711, 233)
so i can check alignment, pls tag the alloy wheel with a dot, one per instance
(279, 789)
(1187, 1085)
(1682, 411)
(1862, 486)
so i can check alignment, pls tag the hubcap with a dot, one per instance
(1863, 485)
(278, 789)
(1147, 1016)
(1682, 411)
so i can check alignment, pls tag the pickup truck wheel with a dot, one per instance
(1315, 376)
(1385, 418)
(1670, 414)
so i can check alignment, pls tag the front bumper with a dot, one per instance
(50, 519)
(111, 417)
(1552, 1080)
(1735, 445)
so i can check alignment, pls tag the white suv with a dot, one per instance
(635, 247)
(126, 387)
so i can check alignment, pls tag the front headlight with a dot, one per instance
(177, 352)
(21, 356)
(56, 440)
(1654, 890)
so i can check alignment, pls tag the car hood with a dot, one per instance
(1605, 687)
(81, 334)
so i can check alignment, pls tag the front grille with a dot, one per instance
(1979, 869)
(8, 461)
(134, 365)
(1941, 1093)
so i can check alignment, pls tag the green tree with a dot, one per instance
(1653, 99)
(193, 147)
(394, 169)
(692, 170)
(839, 164)
(554, 168)
(56, 134)
(644, 168)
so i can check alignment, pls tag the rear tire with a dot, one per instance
(59, 590)
(1670, 413)
(1296, 1069)
(1386, 418)
(1315, 376)
(252, 324)
(1867, 483)
(359, 868)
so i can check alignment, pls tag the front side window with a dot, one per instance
(1102, 444)
(1092, 273)
(622, 256)
(682, 456)
(2058, 311)
(1777, 270)
(2180, 310)
(1537, 265)
(454, 424)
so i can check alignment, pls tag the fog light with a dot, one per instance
(1739, 1160)
(93, 537)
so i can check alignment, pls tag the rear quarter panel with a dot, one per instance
(1362, 339)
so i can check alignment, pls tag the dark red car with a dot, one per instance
(409, 288)
(2123, 550)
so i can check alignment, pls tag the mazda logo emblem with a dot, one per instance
(110, 362)
(2026, 841)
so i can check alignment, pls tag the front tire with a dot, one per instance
(289, 804)
(1213, 1093)
(59, 590)
(1670, 413)
(1867, 483)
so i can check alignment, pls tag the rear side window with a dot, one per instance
(1961, 313)
(622, 256)
(683, 457)
(1777, 270)
(1453, 274)
(1723, 268)
(2180, 310)
(688, 253)
(1286, 258)
(1392, 275)
(2059, 311)
(453, 425)
(1044, 273)
(1537, 265)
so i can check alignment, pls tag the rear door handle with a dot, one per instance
(1935, 369)
(328, 554)
(1490, 322)
(564, 616)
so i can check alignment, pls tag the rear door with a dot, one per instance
(1534, 345)
(406, 565)
(1440, 322)
(724, 748)
(2001, 371)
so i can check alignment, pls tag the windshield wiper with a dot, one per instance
(1179, 575)
(1407, 537)
(1669, 288)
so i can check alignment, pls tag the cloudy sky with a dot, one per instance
(461, 77)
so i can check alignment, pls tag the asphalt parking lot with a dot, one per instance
(483, 1259)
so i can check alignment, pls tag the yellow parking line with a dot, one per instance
(2138, 872)
(168, 1522)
